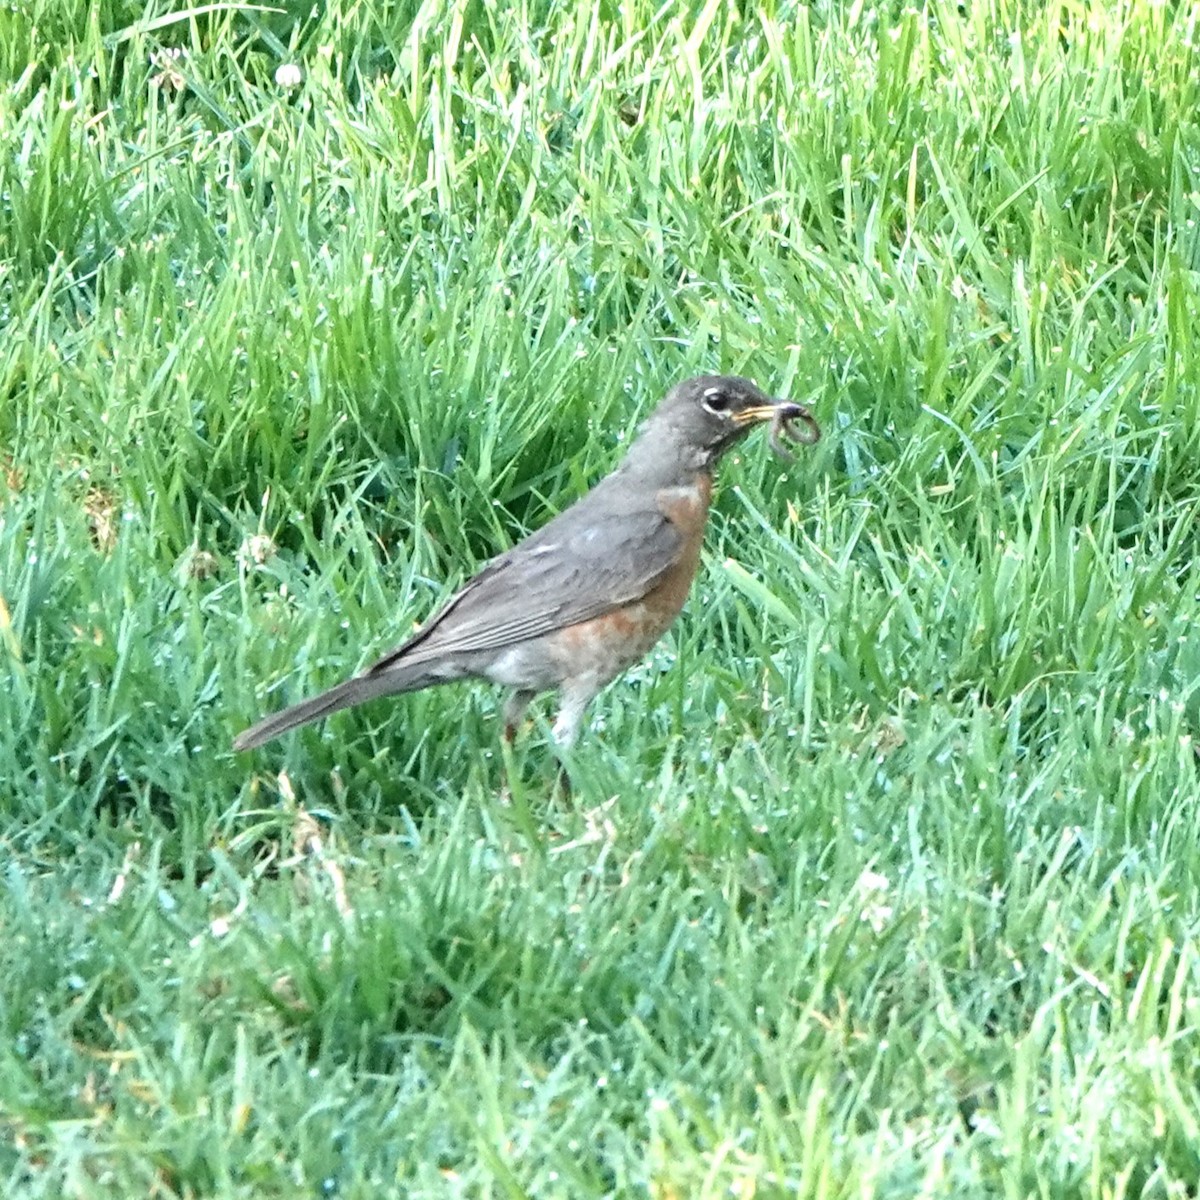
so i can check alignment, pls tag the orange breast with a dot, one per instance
(604, 646)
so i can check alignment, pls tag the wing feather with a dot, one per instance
(569, 571)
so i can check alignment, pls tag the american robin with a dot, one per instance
(587, 595)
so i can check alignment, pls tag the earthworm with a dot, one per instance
(782, 424)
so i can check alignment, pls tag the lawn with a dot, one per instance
(880, 877)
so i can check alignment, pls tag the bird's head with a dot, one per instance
(710, 413)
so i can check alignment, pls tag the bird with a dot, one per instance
(581, 599)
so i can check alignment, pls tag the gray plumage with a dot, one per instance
(609, 550)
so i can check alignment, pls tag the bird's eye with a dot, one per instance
(716, 400)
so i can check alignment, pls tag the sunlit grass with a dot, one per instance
(880, 877)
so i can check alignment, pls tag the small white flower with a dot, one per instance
(872, 881)
(874, 887)
(256, 549)
(288, 75)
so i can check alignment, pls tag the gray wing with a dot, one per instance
(569, 571)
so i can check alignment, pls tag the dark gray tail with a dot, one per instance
(354, 691)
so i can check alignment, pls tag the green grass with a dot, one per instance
(881, 877)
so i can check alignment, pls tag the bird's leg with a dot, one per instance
(574, 701)
(514, 712)
(570, 716)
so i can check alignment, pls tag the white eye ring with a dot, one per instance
(722, 406)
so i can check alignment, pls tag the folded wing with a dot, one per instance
(570, 571)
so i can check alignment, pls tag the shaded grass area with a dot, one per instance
(879, 877)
